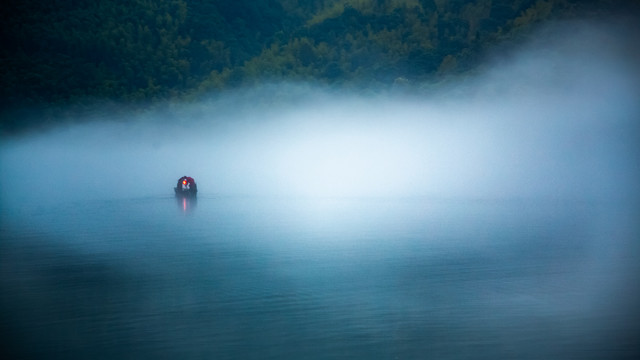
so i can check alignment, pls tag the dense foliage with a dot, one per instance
(65, 51)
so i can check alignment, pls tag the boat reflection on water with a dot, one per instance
(187, 203)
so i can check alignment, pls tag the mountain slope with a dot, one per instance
(65, 51)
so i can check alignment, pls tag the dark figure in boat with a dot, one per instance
(186, 186)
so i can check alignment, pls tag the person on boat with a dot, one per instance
(191, 184)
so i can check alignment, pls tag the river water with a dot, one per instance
(275, 278)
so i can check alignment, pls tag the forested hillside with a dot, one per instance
(67, 51)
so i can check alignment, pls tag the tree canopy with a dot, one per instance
(67, 51)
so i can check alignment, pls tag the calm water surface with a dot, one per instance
(276, 278)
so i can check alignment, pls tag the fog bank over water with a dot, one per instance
(559, 118)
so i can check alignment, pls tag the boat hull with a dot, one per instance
(185, 193)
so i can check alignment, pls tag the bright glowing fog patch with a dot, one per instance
(386, 148)
(557, 119)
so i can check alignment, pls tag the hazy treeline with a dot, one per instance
(69, 51)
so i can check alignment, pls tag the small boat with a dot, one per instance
(186, 187)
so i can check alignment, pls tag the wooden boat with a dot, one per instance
(186, 187)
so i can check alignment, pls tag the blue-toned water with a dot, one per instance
(275, 278)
